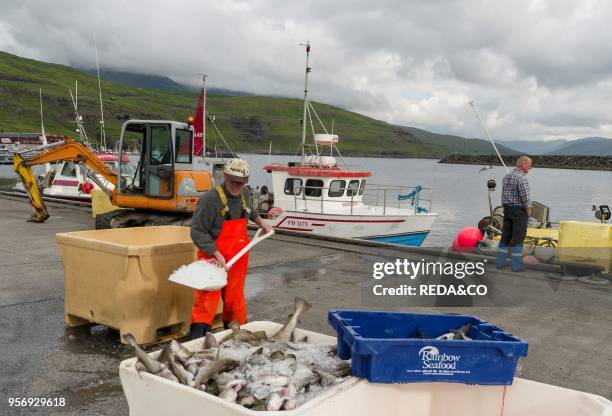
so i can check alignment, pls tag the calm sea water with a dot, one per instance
(460, 191)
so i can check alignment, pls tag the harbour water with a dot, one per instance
(460, 191)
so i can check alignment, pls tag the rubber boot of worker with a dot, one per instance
(502, 252)
(198, 330)
(516, 260)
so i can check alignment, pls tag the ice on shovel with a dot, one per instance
(201, 274)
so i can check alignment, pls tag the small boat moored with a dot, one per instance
(70, 181)
(317, 195)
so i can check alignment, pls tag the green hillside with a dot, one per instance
(248, 123)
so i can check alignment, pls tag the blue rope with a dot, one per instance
(412, 196)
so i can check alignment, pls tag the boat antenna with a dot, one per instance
(77, 116)
(307, 44)
(488, 135)
(270, 153)
(103, 131)
(42, 128)
(204, 76)
(42, 121)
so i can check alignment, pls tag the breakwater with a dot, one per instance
(544, 161)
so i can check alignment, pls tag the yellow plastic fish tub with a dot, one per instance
(149, 395)
(119, 278)
(585, 242)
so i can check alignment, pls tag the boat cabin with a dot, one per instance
(317, 185)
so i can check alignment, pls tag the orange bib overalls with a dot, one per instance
(231, 240)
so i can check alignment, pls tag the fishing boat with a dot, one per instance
(319, 195)
(72, 181)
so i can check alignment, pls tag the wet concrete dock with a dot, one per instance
(568, 326)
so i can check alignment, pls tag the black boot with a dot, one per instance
(198, 330)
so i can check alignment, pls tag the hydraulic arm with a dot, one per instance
(68, 150)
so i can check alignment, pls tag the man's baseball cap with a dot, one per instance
(237, 170)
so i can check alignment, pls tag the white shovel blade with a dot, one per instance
(200, 275)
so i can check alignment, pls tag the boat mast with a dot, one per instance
(42, 121)
(204, 117)
(42, 128)
(103, 132)
(305, 98)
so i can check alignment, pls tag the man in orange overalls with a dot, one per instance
(219, 231)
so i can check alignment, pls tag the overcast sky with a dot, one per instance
(536, 69)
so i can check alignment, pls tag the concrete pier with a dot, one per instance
(569, 327)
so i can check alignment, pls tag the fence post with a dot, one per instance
(384, 201)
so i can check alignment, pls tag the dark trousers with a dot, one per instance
(515, 226)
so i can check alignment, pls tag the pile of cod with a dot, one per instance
(251, 369)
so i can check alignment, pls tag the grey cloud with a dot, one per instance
(534, 68)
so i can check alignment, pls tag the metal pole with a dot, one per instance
(42, 128)
(384, 201)
(305, 98)
(103, 132)
(488, 135)
(204, 118)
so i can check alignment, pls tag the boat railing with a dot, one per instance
(351, 167)
(415, 200)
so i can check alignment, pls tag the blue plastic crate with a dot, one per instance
(383, 348)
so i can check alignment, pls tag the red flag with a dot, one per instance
(198, 125)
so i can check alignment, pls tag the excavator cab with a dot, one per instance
(154, 173)
(165, 186)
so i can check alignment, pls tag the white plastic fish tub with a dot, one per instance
(151, 395)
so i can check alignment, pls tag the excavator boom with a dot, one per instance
(68, 150)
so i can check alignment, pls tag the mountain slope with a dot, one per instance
(534, 147)
(155, 81)
(138, 80)
(590, 146)
(444, 143)
(248, 123)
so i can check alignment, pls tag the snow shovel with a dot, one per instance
(206, 275)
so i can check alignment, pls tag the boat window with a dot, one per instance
(353, 188)
(336, 188)
(69, 169)
(293, 186)
(313, 187)
(183, 146)
(362, 186)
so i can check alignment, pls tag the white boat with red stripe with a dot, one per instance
(70, 181)
(320, 196)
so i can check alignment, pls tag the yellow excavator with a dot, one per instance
(168, 181)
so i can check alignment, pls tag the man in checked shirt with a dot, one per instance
(517, 209)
